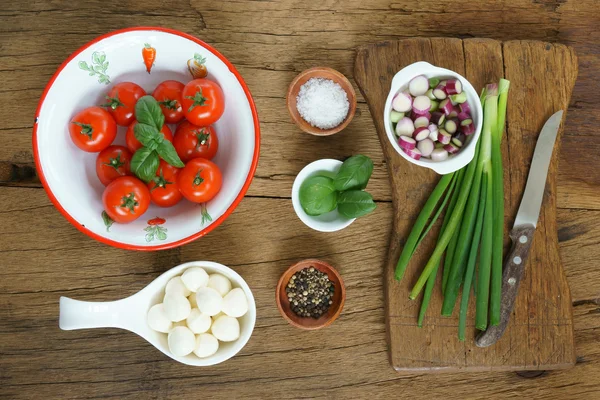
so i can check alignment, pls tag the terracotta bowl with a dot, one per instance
(307, 323)
(326, 73)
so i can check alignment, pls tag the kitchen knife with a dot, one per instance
(521, 234)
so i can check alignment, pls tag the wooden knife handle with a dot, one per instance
(514, 266)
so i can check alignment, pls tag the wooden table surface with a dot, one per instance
(43, 257)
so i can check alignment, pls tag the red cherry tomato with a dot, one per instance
(164, 191)
(200, 180)
(112, 163)
(121, 100)
(133, 144)
(125, 199)
(203, 102)
(93, 129)
(168, 95)
(192, 141)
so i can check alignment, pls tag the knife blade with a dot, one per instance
(523, 229)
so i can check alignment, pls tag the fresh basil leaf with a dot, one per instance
(147, 111)
(167, 152)
(144, 164)
(147, 134)
(318, 195)
(355, 203)
(354, 173)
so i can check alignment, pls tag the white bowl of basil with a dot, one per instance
(329, 195)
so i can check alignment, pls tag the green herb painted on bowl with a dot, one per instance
(107, 221)
(318, 195)
(355, 203)
(354, 173)
(98, 67)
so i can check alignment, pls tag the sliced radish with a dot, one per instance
(430, 94)
(453, 86)
(426, 146)
(421, 104)
(450, 126)
(459, 139)
(421, 121)
(443, 83)
(444, 137)
(439, 145)
(463, 115)
(446, 106)
(465, 107)
(418, 85)
(405, 127)
(451, 148)
(413, 153)
(407, 143)
(402, 102)
(435, 105)
(438, 118)
(454, 112)
(420, 134)
(467, 127)
(439, 154)
(396, 116)
(439, 92)
(414, 115)
(433, 132)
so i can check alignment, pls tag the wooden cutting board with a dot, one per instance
(540, 333)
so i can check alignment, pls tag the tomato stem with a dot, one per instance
(116, 162)
(160, 181)
(198, 179)
(198, 99)
(113, 102)
(130, 202)
(86, 129)
(170, 104)
(202, 135)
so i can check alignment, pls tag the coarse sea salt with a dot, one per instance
(322, 103)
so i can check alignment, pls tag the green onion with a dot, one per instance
(446, 271)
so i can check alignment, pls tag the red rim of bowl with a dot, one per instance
(190, 238)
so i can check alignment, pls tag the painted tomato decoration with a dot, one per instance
(168, 95)
(133, 144)
(193, 141)
(164, 190)
(203, 102)
(200, 180)
(126, 199)
(112, 163)
(93, 129)
(121, 100)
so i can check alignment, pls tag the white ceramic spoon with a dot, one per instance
(130, 314)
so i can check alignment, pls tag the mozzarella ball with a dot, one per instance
(182, 341)
(192, 299)
(209, 301)
(198, 322)
(220, 283)
(180, 323)
(206, 345)
(235, 303)
(194, 278)
(226, 328)
(176, 286)
(158, 320)
(177, 307)
(214, 317)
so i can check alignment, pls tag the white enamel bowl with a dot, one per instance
(400, 83)
(131, 314)
(69, 175)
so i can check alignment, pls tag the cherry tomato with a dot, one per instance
(200, 180)
(125, 199)
(93, 129)
(192, 141)
(164, 191)
(168, 95)
(121, 100)
(133, 144)
(203, 102)
(113, 162)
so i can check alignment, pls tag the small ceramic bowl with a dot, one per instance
(400, 83)
(330, 222)
(326, 73)
(307, 323)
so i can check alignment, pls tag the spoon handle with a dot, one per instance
(75, 314)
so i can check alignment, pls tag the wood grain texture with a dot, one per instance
(540, 335)
(43, 257)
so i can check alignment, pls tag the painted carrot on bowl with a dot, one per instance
(149, 55)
